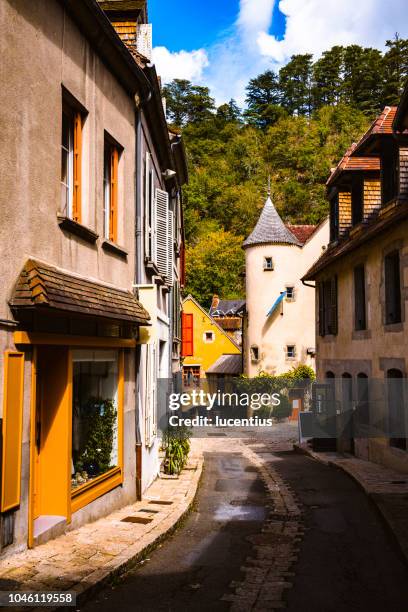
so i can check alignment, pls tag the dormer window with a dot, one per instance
(334, 218)
(268, 264)
(357, 200)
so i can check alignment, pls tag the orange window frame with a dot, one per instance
(113, 204)
(77, 187)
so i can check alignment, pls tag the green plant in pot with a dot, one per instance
(176, 444)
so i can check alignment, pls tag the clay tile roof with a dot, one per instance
(382, 125)
(227, 364)
(302, 232)
(270, 229)
(44, 286)
(349, 163)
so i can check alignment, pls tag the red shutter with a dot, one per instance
(187, 334)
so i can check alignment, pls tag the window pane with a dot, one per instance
(94, 414)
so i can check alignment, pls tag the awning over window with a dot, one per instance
(42, 286)
(276, 303)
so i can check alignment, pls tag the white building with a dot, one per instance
(279, 331)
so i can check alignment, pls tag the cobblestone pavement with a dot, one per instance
(87, 557)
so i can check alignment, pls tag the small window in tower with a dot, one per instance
(209, 337)
(290, 351)
(268, 263)
(290, 293)
(254, 353)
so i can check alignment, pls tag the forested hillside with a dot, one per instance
(295, 127)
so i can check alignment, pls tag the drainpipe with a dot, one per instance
(138, 280)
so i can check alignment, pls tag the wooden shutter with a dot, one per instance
(162, 206)
(187, 335)
(170, 255)
(320, 291)
(113, 210)
(12, 430)
(333, 306)
(147, 210)
(77, 193)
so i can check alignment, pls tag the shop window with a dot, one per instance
(209, 337)
(360, 319)
(254, 353)
(191, 375)
(392, 288)
(290, 351)
(95, 444)
(71, 162)
(110, 190)
(268, 264)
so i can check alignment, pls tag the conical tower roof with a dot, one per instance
(270, 229)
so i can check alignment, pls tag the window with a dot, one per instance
(94, 415)
(254, 353)
(328, 323)
(357, 200)
(110, 191)
(290, 351)
(150, 216)
(334, 218)
(209, 337)
(392, 288)
(191, 375)
(268, 263)
(360, 321)
(389, 173)
(363, 413)
(290, 293)
(396, 411)
(71, 163)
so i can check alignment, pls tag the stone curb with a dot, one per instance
(95, 581)
(386, 519)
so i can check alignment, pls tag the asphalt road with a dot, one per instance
(193, 569)
(346, 563)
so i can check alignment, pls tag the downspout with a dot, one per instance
(138, 280)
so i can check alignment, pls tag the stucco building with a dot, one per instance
(362, 281)
(87, 164)
(279, 326)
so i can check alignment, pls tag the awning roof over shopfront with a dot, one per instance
(44, 286)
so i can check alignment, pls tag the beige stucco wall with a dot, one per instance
(380, 347)
(296, 325)
(41, 50)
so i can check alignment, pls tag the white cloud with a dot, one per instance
(181, 64)
(312, 26)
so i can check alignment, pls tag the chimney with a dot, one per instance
(215, 302)
(129, 18)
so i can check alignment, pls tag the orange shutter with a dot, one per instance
(187, 334)
(12, 430)
(76, 202)
(113, 213)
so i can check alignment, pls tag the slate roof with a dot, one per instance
(270, 229)
(44, 286)
(227, 364)
(227, 308)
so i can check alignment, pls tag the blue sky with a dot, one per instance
(224, 43)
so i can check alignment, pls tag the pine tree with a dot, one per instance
(327, 77)
(295, 84)
(395, 69)
(263, 100)
(363, 79)
(187, 103)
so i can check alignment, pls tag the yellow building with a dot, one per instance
(204, 341)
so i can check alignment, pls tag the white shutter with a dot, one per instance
(144, 39)
(147, 209)
(162, 220)
(170, 256)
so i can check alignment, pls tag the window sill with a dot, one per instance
(394, 327)
(151, 267)
(361, 334)
(72, 227)
(268, 269)
(114, 248)
(87, 493)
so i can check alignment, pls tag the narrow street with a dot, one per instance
(345, 562)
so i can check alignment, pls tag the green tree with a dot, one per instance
(363, 81)
(263, 100)
(229, 112)
(395, 69)
(295, 81)
(327, 78)
(214, 265)
(187, 103)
